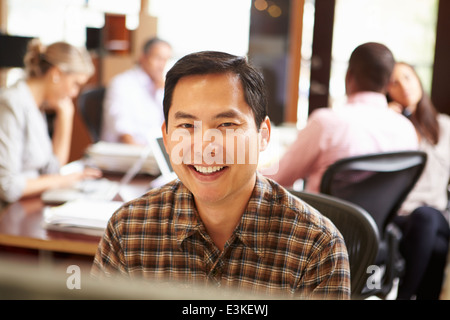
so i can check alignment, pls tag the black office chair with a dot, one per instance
(358, 229)
(90, 105)
(379, 183)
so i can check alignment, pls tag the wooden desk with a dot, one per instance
(21, 226)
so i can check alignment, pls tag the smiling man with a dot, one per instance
(222, 223)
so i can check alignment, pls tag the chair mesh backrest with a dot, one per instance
(90, 104)
(379, 183)
(358, 229)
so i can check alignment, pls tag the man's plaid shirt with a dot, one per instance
(281, 245)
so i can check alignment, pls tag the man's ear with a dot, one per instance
(164, 134)
(264, 134)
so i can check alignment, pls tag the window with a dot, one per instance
(198, 25)
(407, 27)
(188, 25)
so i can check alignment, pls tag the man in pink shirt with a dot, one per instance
(363, 125)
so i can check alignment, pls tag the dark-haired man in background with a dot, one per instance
(365, 124)
(132, 108)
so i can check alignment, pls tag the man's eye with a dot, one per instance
(227, 124)
(186, 125)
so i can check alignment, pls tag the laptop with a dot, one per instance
(163, 161)
(104, 189)
(96, 189)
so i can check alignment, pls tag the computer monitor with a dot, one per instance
(22, 280)
(13, 50)
(93, 38)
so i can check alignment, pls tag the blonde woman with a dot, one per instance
(29, 158)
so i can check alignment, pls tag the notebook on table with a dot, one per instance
(80, 216)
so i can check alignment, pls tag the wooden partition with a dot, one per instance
(440, 93)
(275, 48)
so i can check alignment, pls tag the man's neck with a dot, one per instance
(220, 219)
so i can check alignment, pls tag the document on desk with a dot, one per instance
(80, 216)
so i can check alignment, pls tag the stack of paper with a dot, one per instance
(80, 216)
(119, 157)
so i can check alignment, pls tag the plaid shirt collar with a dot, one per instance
(251, 230)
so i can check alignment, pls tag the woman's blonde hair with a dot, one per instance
(68, 58)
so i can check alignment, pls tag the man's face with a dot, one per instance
(154, 63)
(212, 137)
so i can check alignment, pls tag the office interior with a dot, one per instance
(301, 46)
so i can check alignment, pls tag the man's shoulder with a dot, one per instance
(323, 113)
(126, 75)
(293, 210)
(328, 118)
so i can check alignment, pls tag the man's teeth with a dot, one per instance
(207, 169)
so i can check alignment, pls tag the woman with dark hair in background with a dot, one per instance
(422, 217)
